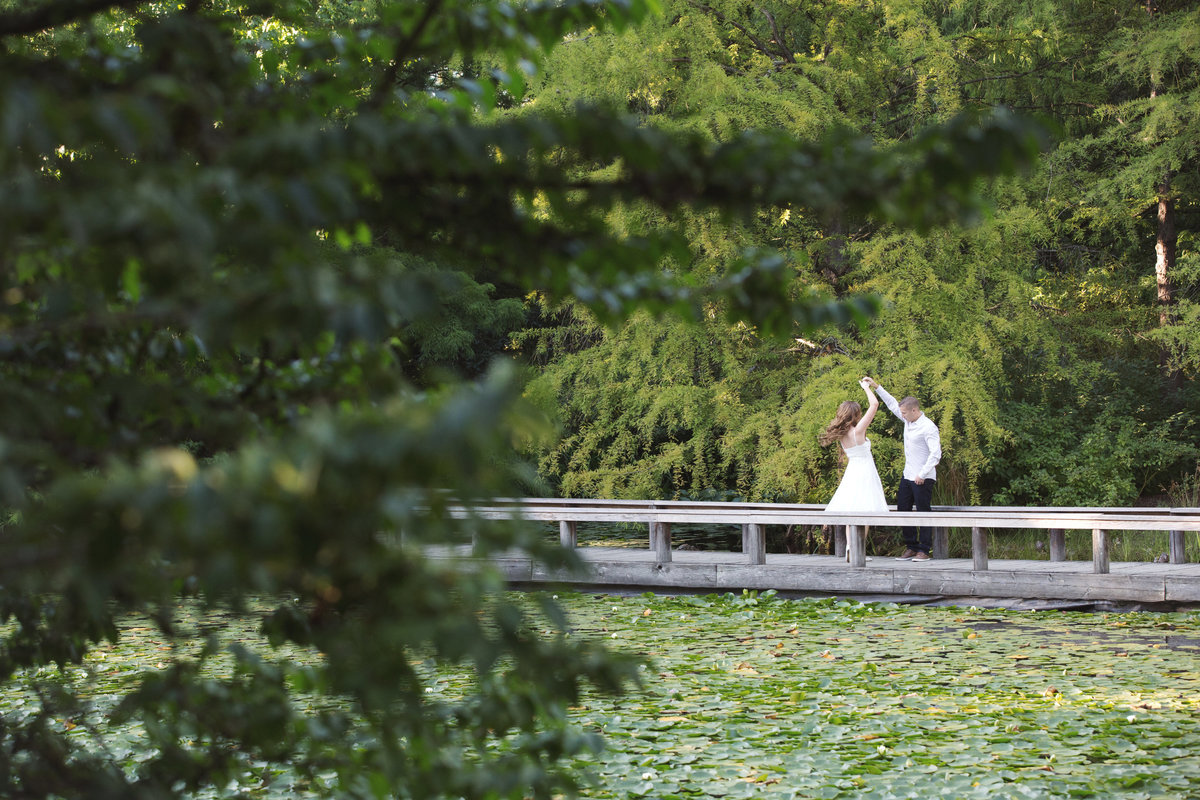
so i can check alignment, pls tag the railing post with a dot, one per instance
(566, 534)
(660, 541)
(839, 541)
(941, 543)
(979, 549)
(1178, 553)
(1099, 552)
(756, 544)
(745, 538)
(856, 545)
(1058, 545)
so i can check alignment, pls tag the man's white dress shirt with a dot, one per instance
(922, 442)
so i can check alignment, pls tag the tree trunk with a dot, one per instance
(1164, 266)
(1164, 246)
(834, 262)
(1164, 250)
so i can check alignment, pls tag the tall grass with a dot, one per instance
(1185, 493)
(1034, 545)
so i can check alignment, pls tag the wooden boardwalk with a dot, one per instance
(664, 567)
(820, 574)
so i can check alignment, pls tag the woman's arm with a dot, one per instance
(860, 430)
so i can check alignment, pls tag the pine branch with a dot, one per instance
(388, 81)
(92, 324)
(728, 69)
(1063, 104)
(53, 15)
(784, 50)
(1007, 76)
(759, 44)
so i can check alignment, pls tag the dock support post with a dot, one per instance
(756, 544)
(979, 549)
(1099, 552)
(941, 543)
(660, 541)
(839, 541)
(566, 534)
(1058, 545)
(856, 545)
(1178, 554)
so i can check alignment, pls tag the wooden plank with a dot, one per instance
(756, 544)
(920, 580)
(925, 580)
(1026, 520)
(1182, 590)
(1138, 510)
(666, 504)
(514, 568)
(979, 549)
(1178, 551)
(672, 574)
(738, 507)
(1135, 568)
(833, 579)
(1099, 551)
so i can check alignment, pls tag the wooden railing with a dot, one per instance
(660, 515)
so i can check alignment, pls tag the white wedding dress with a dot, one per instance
(860, 489)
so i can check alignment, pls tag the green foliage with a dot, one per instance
(459, 326)
(1033, 338)
(245, 246)
(301, 519)
(1104, 456)
(643, 411)
(1186, 493)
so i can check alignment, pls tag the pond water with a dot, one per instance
(749, 696)
(759, 696)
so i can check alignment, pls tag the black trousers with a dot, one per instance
(910, 496)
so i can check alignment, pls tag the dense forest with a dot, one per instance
(285, 280)
(1055, 338)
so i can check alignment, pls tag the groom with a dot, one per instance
(922, 452)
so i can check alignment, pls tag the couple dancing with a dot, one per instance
(861, 489)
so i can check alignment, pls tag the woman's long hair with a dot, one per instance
(847, 416)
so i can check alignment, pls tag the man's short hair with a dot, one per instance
(910, 402)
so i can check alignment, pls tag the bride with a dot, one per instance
(860, 489)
